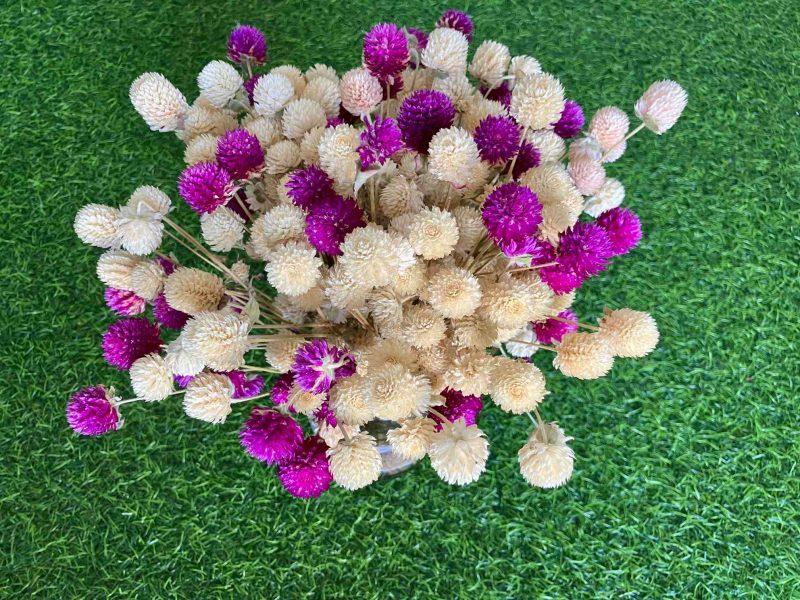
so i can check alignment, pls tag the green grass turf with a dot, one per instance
(686, 482)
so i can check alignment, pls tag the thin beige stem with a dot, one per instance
(543, 347)
(541, 266)
(576, 323)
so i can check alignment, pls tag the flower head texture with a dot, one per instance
(629, 333)
(205, 187)
(458, 20)
(571, 121)
(279, 394)
(608, 126)
(271, 93)
(537, 101)
(166, 315)
(412, 438)
(546, 461)
(385, 51)
(128, 340)
(355, 462)
(124, 302)
(610, 195)
(239, 152)
(270, 436)
(446, 51)
(454, 156)
(193, 291)
(159, 102)
(208, 398)
(92, 412)
(330, 220)
(623, 228)
(219, 82)
(498, 139)
(379, 140)
(306, 474)
(247, 43)
(583, 355)
(308, 186)
(661, 105)
(511, 213)
(458, 406)
(490, 62)
(421, 115)
(583, 250)
(317, 365)
(361, 92)
(458, 452)
(551, 331)
(96, 224)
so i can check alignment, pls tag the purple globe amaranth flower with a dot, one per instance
(571, 121)
(325, 414)
(249, 85)
(551, 331)
(279, 394)
(244, 386)
(166, 265)
(246, 42)
(421, 115)
(379, 140)
(420, 36)
(385, 51)
(527, 158)
(166, 315)
(458, 20)
(269, 436)
(306, 474)
(205, 187)
(308, 186)
(330, 220)
(501, 93)
(91, 412)
(123, 302)
(623, 228)
(560, 280)
(511, 213)
(240, 153)
(585, 249)
(128, 340)
(540, 251)
(458, 405)
(317, 365)
(497, 138)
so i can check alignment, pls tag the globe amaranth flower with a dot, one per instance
(497, 138)
(317, 365)
(571, 121)
(247, 42)
(306, 474)
(379, 140)
(551, 331)
(623, 228)
(249, 85)
(279, 394)
(324, 414)
(385, 51)
(330, 220)
(501, 93)
(269, 436)
(528, 157)
(128, 340)
(205, 187)
(244, 386)
(91, 412)
(308, 186)
(166, 315)
(239, 152)
(458, 20)
(511, 213)
(457, 406)
(421, 38)
(583, 251)
(421, 115)
(540, 251)
(123, 302)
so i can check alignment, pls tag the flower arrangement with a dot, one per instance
(389, 244)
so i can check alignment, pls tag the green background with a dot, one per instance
(686, 481)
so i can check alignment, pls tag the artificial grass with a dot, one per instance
(686, 479)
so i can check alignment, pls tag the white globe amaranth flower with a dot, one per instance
(115, 267)
(219, 338)
(161, 104)
(537, 101)
(150, 198)
(96, 224)
(355, 462)
(147, 279)
(610, 195)
(208, 397)
(490, 62)
(338, 154)
(325, 92)
(294, 268)
(453, 155)
(522, 66)
(661, 105)
(151, 380)
(319, 70)
(219, 82)
(294, 75)
(361, 91)
(433, 233)
(546, 461)
(272, 93)
(550, 145)
(201, 148)
(222, 229)
(517, 386)
(301, 116)
(459, 452)
(282, 157)
(446, 51)
(180, 360)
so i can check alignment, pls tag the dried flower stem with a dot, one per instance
(543, 347)
(576, 323)
(531, 267)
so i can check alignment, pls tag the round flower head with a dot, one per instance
(193, 291)
(433, 233)
(202, 148)
(239, 152)
(561, 202)
(180, 361)
(469, 372)
(523, 65)
(150, 378)
(338, 154)
(421, 115)
(205, 187)
(422, 327)
(522, 343)
(583, 355)
(551, 147)
(584, 249)
(393, 392)
(458, 453)
(610, 195)
(147, 279)
(412, 438)
(166, 315)
(446, 51)
(490, 62)
(301, 116)
(661, 105)
(325, 92)
(308, 186)
(623, 229)
(588, 175)
(348, 401)
(92, 412)
(294, 268)
(247, 43)
(271, 93)
(546, 460)
(385, 51)
(203, 118)
(330, 221)
(139, 229)
(219, 82)
(317, 365)
(361, 92)
(124, 302)
(304, 402)
(309, 145)
(321, 71)
(355, 463)
(282, 157)
(128, 340)
(222, 230)
(537, 101)
(511, 302)
(629, 333)
(219, 338)
(608, 126)
(458, 20)
(454, 292)
(159, 102)
(453, 156)
(552, 331)
(457, 406)
(369, 256)
(517, 386)
(498, 139)
(96, 224)
(306, 474)
(115, 267)
(269, 436)
(511, 213)
(208, 397)
(379, 140)
(571, 121)
(279, 394)
(294, 75)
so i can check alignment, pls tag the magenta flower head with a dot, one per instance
(166, 315)
(205, 187)
(249, 85)
(540, 251)
(583, 251)
(306, 474)
(91, 412)
(308, 186)
(571, 121)
(551, 331)
(269, 436)
(385, 51)
(623, 228)
(281, 388)
(244, 386)
(124, 303)
(458, 405)
(511, 213)
(330, 220)
(421, 115)
(458, 20)
(501, 93)
(497, 138)
(317, 365)
(527, 158)
(420, 36)
(166, 265)
(560, 279)
(239, 152)
(324, 414)
(379, 140)
(128, 340)
(247, 42)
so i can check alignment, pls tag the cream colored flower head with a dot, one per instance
(457, 87)
(361, 92)
(517, 386)
(661, 105)
(369, 256)
(96, 224)
(305, 402)
(433, 233)
(490, 62)
(282, 157)
(512, 302)
(550, 145)
(583, 356)
(453, 154)
(609, 126)
(348, 401)
(473, 331)
(208, 397)
(355, 463)
(393, 392)
(537, 101)
(422, 326)
(400, 196)
(202, 148)
(522, 66)
(147, 279)
(337, 153)
(294, 268)
(561, 201)
(280, 353)
(412, 438)
(202, 118)
(150, 199)
(180, 360)
(458, 452)
(151, 380)
(325, 92)
(272, 93)
(280, 224)
(546, 461)
(301, 116)
(343, 291)
(139, 229)
(219, 338)
(193, 291)
(610, 195)
(454, 292)
(309, 145)
(320, 70)
(268, 130)
(446, 51)
(294, 75)
(587, 175)
(115, 267)
(159, 102)
(222, 230)
(469, 372)
(219, 82)
(629, 333)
